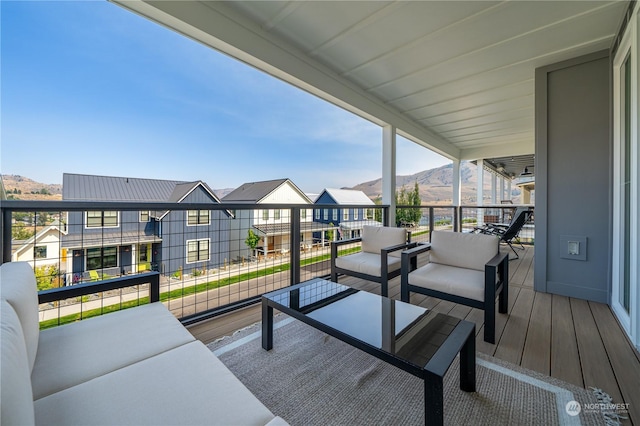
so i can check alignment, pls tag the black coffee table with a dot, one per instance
(417, 340)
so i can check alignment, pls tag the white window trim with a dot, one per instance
(186, 247)
(198, 224)
(335, 214)
(148, 212)
(317, 213)
(355, 214)
(629, 321)
(345, 214)
(86, 220)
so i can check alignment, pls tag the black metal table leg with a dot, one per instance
(468, 363)
(267, 325)
(433, 400)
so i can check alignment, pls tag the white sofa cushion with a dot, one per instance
(464, 250)
(16, 399)
(74, 353)
(375, 238)
(367, 263)
(463, 282)
(187, 385)
(18, 287)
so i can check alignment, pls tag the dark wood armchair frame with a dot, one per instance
(385, 274)
(492, 287)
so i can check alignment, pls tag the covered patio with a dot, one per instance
(476, 81)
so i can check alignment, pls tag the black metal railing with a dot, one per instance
(208, 258)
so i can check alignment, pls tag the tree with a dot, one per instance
(408, 216)
(252, 240)
(47, 277)
(329, 233)
(21, 232)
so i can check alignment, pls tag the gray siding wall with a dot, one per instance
(573, 177)
(176, 233)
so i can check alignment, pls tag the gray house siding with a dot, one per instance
(128, 232)
(176, 234)
(573, 168)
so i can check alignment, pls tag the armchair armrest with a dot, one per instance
(416, 250)
(336, 244)
(497, 259)
(55, 294)
(397, 247)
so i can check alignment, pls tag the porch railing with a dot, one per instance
(207, 259)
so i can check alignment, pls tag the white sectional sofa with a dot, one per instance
(136, 366)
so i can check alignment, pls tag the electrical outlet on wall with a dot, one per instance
(573, 247)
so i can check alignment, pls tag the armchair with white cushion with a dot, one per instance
(463, 268)
(379, 259)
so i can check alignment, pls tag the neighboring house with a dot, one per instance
(43, 249)
(349, 220)
(128, 242)
(271, 225)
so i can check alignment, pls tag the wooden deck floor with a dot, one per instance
(574, 340)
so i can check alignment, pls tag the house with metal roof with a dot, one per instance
(272, 225)
(116, 243)
(349, 219)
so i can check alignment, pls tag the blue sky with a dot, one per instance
(88, 87)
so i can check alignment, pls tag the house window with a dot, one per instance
(145, 216)
(317, 214)
(40, 252)
(303, 214)
(326, 214)
(335, 214)
(276, 214)
(265, 214)
(355, 214)
(106, 219)
(345, 214)
(197, 250)
(197, 217)
(369, 213)
(102, 257)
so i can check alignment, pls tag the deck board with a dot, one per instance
(537, 348)
(565, 359)
(573, 340)
(596, 368)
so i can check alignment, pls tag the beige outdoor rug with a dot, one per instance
(310, 378)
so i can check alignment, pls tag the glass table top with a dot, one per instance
(408, 332)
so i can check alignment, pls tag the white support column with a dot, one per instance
(457, 187)
(501, 197)
(479, 191)
(508, 189)
(494, 188)
(389, 171)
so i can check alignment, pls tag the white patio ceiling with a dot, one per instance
(454, 76)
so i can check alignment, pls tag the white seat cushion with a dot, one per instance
(471, 251)
(375, 238)
(187, 385)
(16, 399)
(74, 353)
(367, 263)
(18, 287)
(462, 282)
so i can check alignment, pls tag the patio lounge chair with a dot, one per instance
(463, 268)
(379, 259)
(508, 233)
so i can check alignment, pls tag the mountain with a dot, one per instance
(434, 185)
(22, 188)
